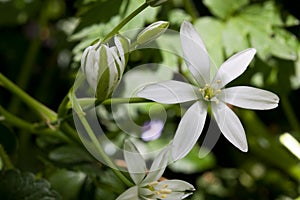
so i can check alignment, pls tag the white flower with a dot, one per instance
(148, 186)
(209, 91)
(103, 66)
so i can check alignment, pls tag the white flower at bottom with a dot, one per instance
(147, 184)
(209, 91)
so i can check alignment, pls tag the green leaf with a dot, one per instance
(97, 12)
(135, 162)
(15, 185)
(234, 37)
(224, 9)
(67, 183)
(69, 155)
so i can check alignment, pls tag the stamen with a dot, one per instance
(153, 183)
(166, 191)
(163, 196)
(218, 81)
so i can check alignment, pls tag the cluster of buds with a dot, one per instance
(103, 66)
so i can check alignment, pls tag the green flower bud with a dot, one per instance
(154, 3)
(152, 32)
(103, 66)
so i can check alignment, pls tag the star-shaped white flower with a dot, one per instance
(147, 184)
(209, 91)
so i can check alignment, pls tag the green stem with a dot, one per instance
(290, 114)
(92, 104)
(3, 155)
(95, 141)
(32, 128)
(125, 21)
(44, 111)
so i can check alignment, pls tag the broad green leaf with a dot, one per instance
(97, 12)
(234, 37)
(261, 16)
(210, 30)
(224, 9)
(16, 185)
(67, 183)
(69, 154)
(135, 162)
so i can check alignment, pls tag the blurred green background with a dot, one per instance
(40, 49)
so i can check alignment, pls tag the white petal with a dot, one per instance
(176, 185)
(195, 53)
(234, 66)
(135, 162)
(91, 68)
(189, 130)
(130, 194)
(250, 98)
(158, 166)
(170, 92)
(230, 125)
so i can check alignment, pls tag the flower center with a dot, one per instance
(161, 192)
(210, 92)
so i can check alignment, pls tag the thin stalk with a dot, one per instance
(96, 103)
(32, 128)
(95, 141)
(44, 111)
(125, 21)
(290, 114)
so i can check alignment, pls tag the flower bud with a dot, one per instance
(103, 66)
(152, 32)
(154, 3)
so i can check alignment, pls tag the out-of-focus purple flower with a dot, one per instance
(152, 130)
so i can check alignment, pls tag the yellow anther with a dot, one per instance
(153, 184)
(163, 196)
(206, 85)
(166, 191)
(165, 185)
(218, 91)
(218, 81)
(157, 192)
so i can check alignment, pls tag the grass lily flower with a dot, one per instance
(147, 185)
(209, 91)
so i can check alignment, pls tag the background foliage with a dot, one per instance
(41, 46)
